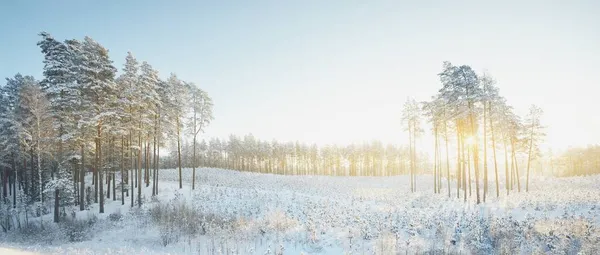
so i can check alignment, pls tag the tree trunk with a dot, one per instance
(154, 155)
(516, 164)
(56, 205)
(458, 160)
(410, 149)
(39, 168)
(475, 156)
(494, 150)
(469, 180)
(122, 170)
(139, 166)
(529, 157)
(435, 160)
(447, 154)
(506, 174)
(464, 162)
(194, 159)
(147, 160)
(95, 173)
(179, 154)
(131, 184)
(14, 193)
(158, 135)
(108, 179)
(100, 168)
(485, 156)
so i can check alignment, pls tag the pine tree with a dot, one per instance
(534, 128)
(98, 90)
(201, 108)
(411, 118)
(174, 101)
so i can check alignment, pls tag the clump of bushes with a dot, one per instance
(78, 230)
(175, 219)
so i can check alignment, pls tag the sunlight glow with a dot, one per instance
(470, 141)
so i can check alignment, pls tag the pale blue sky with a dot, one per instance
(336, 71)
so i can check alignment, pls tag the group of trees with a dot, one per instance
(82, 117)
(574, 162)
(469, 112)
(251, 154)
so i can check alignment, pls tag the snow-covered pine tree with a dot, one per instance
(150, 103)
(98, 91)
(534, 135)
(411, 117)
(130, 97)
(10, 129)
(175, 99)
(60, 84)
(201, 115)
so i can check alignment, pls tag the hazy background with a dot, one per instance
(336, 71)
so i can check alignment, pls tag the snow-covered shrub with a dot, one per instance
(115, 216)
(78, 230)
(177, 218)
(385, 244)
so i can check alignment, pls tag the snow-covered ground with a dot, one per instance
(245, 213)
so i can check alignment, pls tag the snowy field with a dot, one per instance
(244, 213)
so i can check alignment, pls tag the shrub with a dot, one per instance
(115, 216)
(78, 230)
(175, 219)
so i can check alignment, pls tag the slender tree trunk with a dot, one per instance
(114, 186)
(435, 160)
(469, 180)
(131, 159)
(139, 166)
(122, 170)
(39, 168)
(475, 155)
(507, 175)
(485, 155)
(179, 154)
(494, 150)
(82, 181)
(158, 136)
(410, 137)
(14, 193)
(147, 160)
(154, 159)
(95, 174)
(447, 154)
(458, 160)
(108, 180)
(516, 165)
(464, 162)
(56, 205)
(529, 158)
(100, 167)
(194, 159)
(414, 140)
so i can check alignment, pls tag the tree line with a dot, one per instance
(294, 158)
(83, 117)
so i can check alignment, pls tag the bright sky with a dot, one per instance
(336, 71)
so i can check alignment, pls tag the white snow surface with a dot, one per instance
(274, 214)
